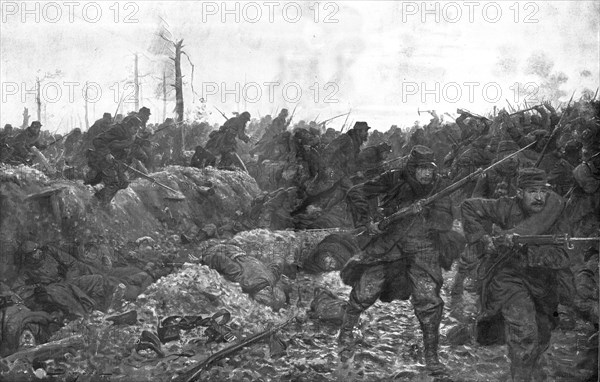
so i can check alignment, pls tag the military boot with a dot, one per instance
(346, 336)
(431, 338)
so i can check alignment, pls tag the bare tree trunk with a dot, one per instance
(25, 118)
(179, 143)
(178, 82)
(136, 84)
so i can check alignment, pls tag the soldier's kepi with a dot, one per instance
(407, 211)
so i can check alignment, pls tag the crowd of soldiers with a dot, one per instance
(540, 186)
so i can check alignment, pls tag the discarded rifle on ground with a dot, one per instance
(193, 373)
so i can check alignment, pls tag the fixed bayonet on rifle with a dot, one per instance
(332, 118)
(410, 210)
(223, 114)
(193, 373)
(292, 117)
(344, 125)
(557, 239)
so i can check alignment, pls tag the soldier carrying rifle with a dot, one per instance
(521, 284)
(403, 261)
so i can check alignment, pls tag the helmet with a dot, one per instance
(245, 115)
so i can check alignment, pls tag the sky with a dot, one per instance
(382, 60)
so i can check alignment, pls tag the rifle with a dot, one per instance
(223, 114)
(554, 131)
(292, 117)
(177, 195)
(523, 111)
(59, 139)
(117, 109)
(510, 106)
(166, 127)
(407, 211)
(557, 239)
(467, 112)
(344, 125)
(193, 373)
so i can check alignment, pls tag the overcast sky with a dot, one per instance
(384, 60)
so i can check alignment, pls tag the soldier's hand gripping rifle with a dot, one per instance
(418, 206)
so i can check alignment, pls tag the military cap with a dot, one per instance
(532, 177)
(36, 123)
(361, 126)
(144, 110)
(245, 115)
(422, 156)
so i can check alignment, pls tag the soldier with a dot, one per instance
(266, 142)
(222, 142)
(111, 147)
(561, 175)
(7, 132)
(203, 158)
(5, 136)
(143, 114)
(520, 284)
(501, 180)
(403, 261)
(72, 142)
(341, 155)
(98, 127)
(261, 281)
(24, 141)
